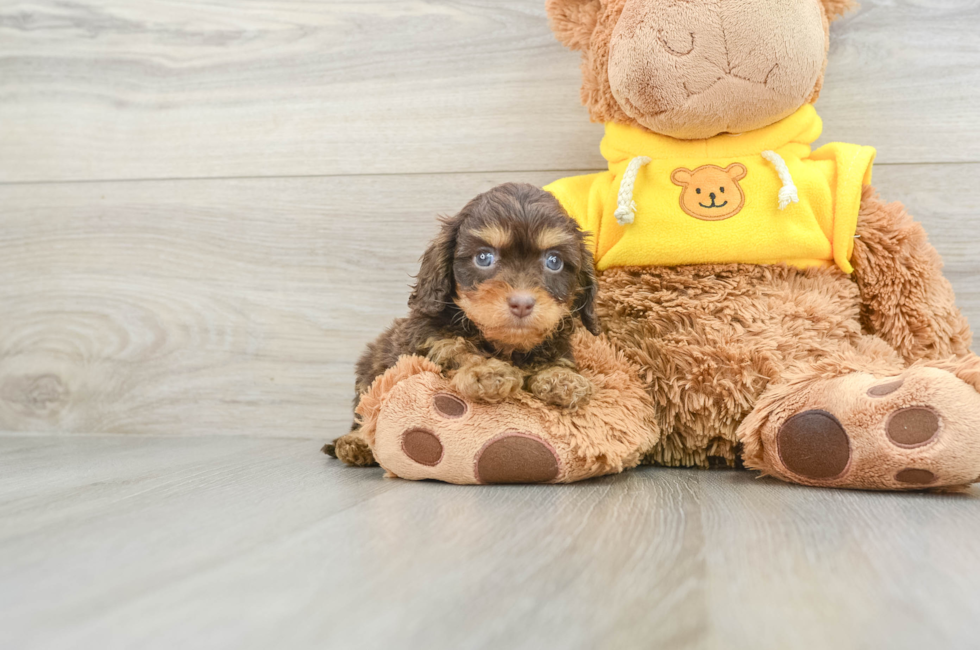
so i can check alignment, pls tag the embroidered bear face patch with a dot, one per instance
(711, 193)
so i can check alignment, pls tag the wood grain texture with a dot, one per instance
(109, 89)
(137, 542)
(240, 306)
(202, 307)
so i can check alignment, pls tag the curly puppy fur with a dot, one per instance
(493, 306)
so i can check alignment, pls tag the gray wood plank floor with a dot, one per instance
(206, 209)
(152, 542)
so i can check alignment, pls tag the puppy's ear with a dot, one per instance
(574, 21)
(434, 285)
(837, 8)
(588, 288)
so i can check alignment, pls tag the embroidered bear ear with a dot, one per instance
(736, 171)
(681, 177)
(837, 8)
(574, 21)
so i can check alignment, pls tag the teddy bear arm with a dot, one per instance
(905, 299)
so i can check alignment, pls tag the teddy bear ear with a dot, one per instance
(736, 171)
(837, 8)
(573, 21)
(681, 177)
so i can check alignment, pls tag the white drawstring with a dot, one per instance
(626, 207)
(787, 193)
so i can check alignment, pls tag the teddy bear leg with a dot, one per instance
(908, 429)
(428, 431)
(421, 427)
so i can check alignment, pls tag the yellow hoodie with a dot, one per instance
(761, 197)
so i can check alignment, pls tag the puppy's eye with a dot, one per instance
(698, 190)
(723, 190)
(553, 262)
(484, 259)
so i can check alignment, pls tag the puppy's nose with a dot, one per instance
(712, 195)
(521, 304)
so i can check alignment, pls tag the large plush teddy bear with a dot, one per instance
(759, 302)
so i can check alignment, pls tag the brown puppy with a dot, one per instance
(493, 306)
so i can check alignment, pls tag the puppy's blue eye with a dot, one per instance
(553, 263)
(484, 259)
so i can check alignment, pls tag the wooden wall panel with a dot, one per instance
(239, 306)
(112, 89)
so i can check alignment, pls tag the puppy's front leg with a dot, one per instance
(560, 386)
(487, 380)
(449, 354)
(474, 376)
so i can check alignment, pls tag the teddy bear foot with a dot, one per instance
(420, 426)
(916, 431)
(430, 432)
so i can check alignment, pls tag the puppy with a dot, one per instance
(493, 305)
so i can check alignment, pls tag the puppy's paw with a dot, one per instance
(449, 353)
(353, 450)
(561, 387)
(489, 380)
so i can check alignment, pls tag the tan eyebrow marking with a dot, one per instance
(494, 235)
(551, 237)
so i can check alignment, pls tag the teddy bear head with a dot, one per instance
(693, 69)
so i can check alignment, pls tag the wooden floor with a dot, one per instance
(162, 542)
(206, 209)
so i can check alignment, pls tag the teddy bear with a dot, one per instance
(761, 305)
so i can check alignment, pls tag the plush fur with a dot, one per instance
(837, 8)
(905, 298)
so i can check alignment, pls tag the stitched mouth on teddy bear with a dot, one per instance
(714, 198)
(708, 207)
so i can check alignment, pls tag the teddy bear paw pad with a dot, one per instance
(516, 458)
(814, 444)
(916, 477)
(422, 446)
(449, 406)
(886, 389)
(913, 427)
